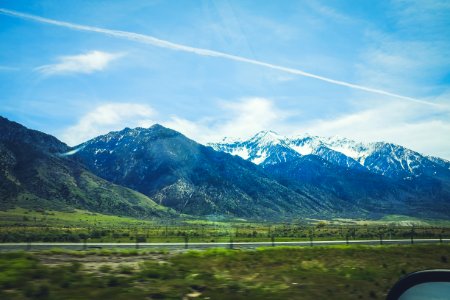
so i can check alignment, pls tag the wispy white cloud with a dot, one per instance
(432, 15)
(406, 65)
(423, 130)
(414, 54)
(329, 13)
(86, 63)
(150, 40)
(106, 118)
(412, 126)
(242, 118)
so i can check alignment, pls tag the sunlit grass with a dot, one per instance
(21, 225)
(332, 272)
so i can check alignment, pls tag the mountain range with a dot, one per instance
(387, 159)
(380, 176)
(158, 172)
(191, 178)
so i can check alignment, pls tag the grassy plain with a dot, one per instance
(21, 225)
(333, 272)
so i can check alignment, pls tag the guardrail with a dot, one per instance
(202, 245)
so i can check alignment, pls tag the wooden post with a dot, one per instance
(311, 236)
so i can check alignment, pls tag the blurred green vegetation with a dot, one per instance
(333, 272)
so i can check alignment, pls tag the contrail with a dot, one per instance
(146, 39)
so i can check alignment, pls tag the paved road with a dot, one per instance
(235, 245)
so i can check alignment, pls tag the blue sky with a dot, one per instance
(76, 84)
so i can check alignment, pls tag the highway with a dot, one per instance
(204, 245)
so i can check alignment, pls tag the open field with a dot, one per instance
(20, 225)
(338, 272)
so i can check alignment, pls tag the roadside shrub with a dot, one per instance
(125, 269)
(114, 281)
(105, 269)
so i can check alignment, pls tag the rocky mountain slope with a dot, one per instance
(34, 174)
(281, 181)
(194, 179)
(378, 176)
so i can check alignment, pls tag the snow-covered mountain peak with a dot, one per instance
(268, 148)
(305, 145)
(231, 140)
(267, 137)
(303, 136)
(355, 150)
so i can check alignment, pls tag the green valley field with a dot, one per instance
(319, 272)
(337, 272)
(21, 225)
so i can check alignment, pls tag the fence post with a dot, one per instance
(186, 241)
(84, 244)
(311, 236)
(272, 238)
(381, 239)
(231, 242)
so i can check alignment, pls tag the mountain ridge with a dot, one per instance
(158, 172)
(35, 174)
(195, 179)
(383, 174)
(382, 158)
(171, 168)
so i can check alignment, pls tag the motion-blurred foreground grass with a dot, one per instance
(332, 272)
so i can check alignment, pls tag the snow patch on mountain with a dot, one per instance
(303, 149)
(260, 158)
(242, 152)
